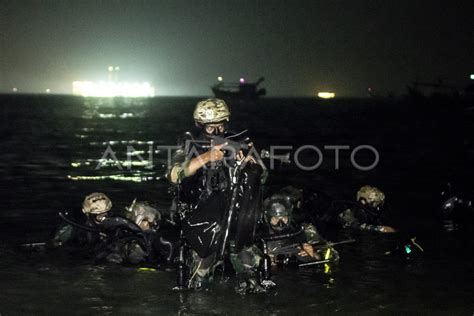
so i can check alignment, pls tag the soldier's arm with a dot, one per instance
(377, 228)
(189, 167)
(348, 219)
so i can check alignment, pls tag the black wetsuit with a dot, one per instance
(150, 246)
(208, 195)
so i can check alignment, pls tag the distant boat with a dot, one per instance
(432, 90)
(437, 92)
(239, 91)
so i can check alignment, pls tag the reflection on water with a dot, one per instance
(136, 178)
(140, 156)
(51, 148)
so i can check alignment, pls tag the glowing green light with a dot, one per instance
(472, 76)
(408, 249)
(327, 255)
(146, 269)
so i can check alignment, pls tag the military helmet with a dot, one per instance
(277, 205)
(211, 111)
(142, 211)
(96, 203)
(296, 196)
(370, 195)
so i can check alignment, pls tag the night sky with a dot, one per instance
(301, 47)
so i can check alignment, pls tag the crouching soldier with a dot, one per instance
(364, 214)
(157, 242)
(84, 232)
(288, 242)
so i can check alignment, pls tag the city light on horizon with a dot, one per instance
(186, 60)
(112, 89)
(326, 95)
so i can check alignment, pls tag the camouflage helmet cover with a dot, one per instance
(96, 203)
(372, 195)
(211, 111)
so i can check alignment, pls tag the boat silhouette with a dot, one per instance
(239, 91)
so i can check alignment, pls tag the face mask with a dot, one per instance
(279, 223)
(214, 130)
(372, 212)
(99, 217)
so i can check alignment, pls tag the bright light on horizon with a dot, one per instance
(112, 89)
(326, 95)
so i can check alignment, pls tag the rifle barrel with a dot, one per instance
(330, 244)
(34, 244)
(312, 263)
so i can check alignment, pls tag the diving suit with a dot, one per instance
(218, 189)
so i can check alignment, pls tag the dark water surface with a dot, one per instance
(50, 147)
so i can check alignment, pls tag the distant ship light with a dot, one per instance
(472, 76)
(220, 78)
(242, 80)
(326, 95)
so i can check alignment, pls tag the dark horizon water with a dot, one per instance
(51, 146)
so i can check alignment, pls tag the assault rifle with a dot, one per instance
(295, 248)
(234, 145)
